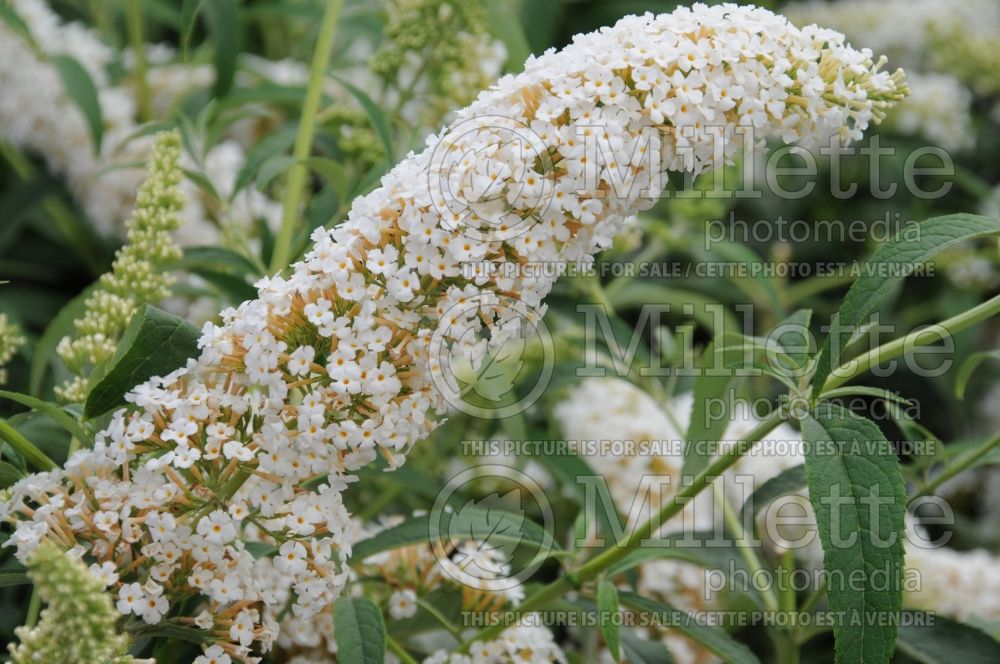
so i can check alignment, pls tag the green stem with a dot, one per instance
(922, 337)
(732, 522)
(814, 598)
(963, 463)
(397, 650)
(441, 618)
(34, 609)
(297, 175)
(133, 10)
(786, 649)
(25, 447)
(788, 599)
(806, 288)
(629, 543)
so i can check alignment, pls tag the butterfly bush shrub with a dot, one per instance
(215, 502)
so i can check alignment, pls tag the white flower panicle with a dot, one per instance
(335, 364)
(520, 644)
(962, 585)
(946, 46)
(411, 572)
(36, 115)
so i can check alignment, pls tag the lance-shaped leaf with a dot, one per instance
(887, 267)
(856, 490)
(154, 344)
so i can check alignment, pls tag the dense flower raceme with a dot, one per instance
(79, 623)
(336, 364)
(138, 274)
(11, 340)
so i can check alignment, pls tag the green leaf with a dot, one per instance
(13, 578)
(9, 474)
(717, 375)
(217, 257)
(223, 19)
(359, 631)
(82, 91)
(933, 639)
(505, 25)
(640, 651)
(189, 13)
(969, 367)
(713, 639)
(57, 414)
(887, 267)
(379, 122)
(494, 378)
(333, 172)
(856, 490)
(268, 147)
(502, 527)
(607, 609)
(15, 23)
(154, 344)
(787, 481)
(797, 326)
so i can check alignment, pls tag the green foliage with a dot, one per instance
(856, 490)
(154, 344)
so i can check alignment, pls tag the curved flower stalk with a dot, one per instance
(79, 624)
(11, 340)
(335, 365)
(655, 434)
(138, 274)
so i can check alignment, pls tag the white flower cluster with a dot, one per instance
(962, 585)
(939, 109)
(656, 434)
(953, 43)
(411, 572)
(521, 644)
(38, 116)
(333, 365)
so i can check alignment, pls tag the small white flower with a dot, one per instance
(403, 604)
